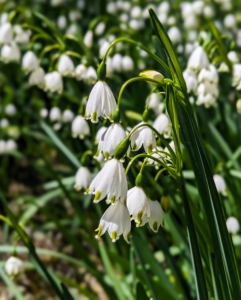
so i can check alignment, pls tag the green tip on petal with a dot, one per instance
(99, 229)
(94, 117)
(106, 155)
(113, 199)
(139, 219)
(149, 149)
(97, 196)
(155, 226)
(128, 237)
(114, 236)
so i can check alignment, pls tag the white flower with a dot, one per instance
(13, 266)
(80, 72)
(37, 78)
(153, 101)
(66, 66)
(88, 39)
(232, 225)
(157, 154)
(103, 49)
(55, 114)
(10, 52)
(111, 139)
(100, 28)
(206, 87)
(10, 110)
(67, 116)
(110, 181)
(229, 21)
(236, 80)
(156, 215)
(111, 8)
(238, 106)
(233, 57)
(174, 35)
(61, 22)
(207, 100)
(115, 220)
(82, 179)
(29, 62)
(80, 127)
(6, 33)
(101, 102)
(190, 79)
(136, 12)
(198, 59)
(22, 36)
(208, 11)
(117, 62)
(138, 205)
(143, 136)
(127, 63)
(220, 184)
(99, 134)
(3, 17)
(4, 123)
(90, 75)
(10, 146)
(209, 74)
(162, 125)
(54, 82)
(43, 112)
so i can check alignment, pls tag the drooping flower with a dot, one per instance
(88, 39)
(66, 66)
(55, 114)
(82, 179)
(101, 102)
(110, 181)
(110, 140)
(220, 184)
(156, 215)
(191, 80)
(6, 33)
(37, 78)
(115, 220)
(80, 127)
(10, 53)
(13, 266)
(143, 136)
(53, 82)
(29, 62)
(127, 63)
(138, 205)
(10, 145)
(162, 125)
(232, 225)
(117, 62)
(99, 134)
(10, 110)
(80, 72)
(198, 59)
(90, 76)
(209, 74)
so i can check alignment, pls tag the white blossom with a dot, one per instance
(174, 34)
(80, 72)
(101, 102)
(90, 76)
(117, 62)
(66, 66)
(21, 36)
(115, 220)
(209, 74)
(29, 62)
(198, 59)
(162, 125)
(55, 114)
(100, 28)
(232, 225)
(190, 79)
(99, 134)
(13, 266)
(53, 82)
(110, 181)
(67, 116)
(220, 184)
(6, 33)
(37, 78)
(10, 146)
(61, 22)
(143, 136)
(80, 127)
(88, 39)
(2, 146)
(44, 112)
(127, 63)
(138, 205)
(10, 53)
(82, 179)
(10, 110)
(110, 139)
(4, 123)
(156, 215)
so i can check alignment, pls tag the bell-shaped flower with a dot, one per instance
(174, 35)
(88, 39)
(209, 74)
(207, 100)
(236, 79)
(80, 72)
(198, 59)
(100, 28)
(67, 116)
(138, 205)
(37, 78)
(55, 114)
(153, 101)
(101, 102)
(13, 266)
(156, 215)
(29, 62)
(115, 220)
(111, 139)
(80, 127)
(191, 80)
(10, 146)
(4, 123)
(10, 110)
(220, 184)
(127, 63)
(66, 66)
(117, 62)
(110, 181)
(53, 82)
(82, 179)
(6, 33)
(162, 125)
(90, 76)
(232, 225)
(10, 53)
(104, 47)
(233, 57)
(143, 136)
(2, 146)
(99, 134)
(21, 36)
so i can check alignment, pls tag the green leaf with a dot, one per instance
(140, 292)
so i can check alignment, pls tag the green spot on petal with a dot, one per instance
(97, 195)
(114, 236)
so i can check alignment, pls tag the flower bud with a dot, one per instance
(122, 148)
(152, 75)
(13, 266)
